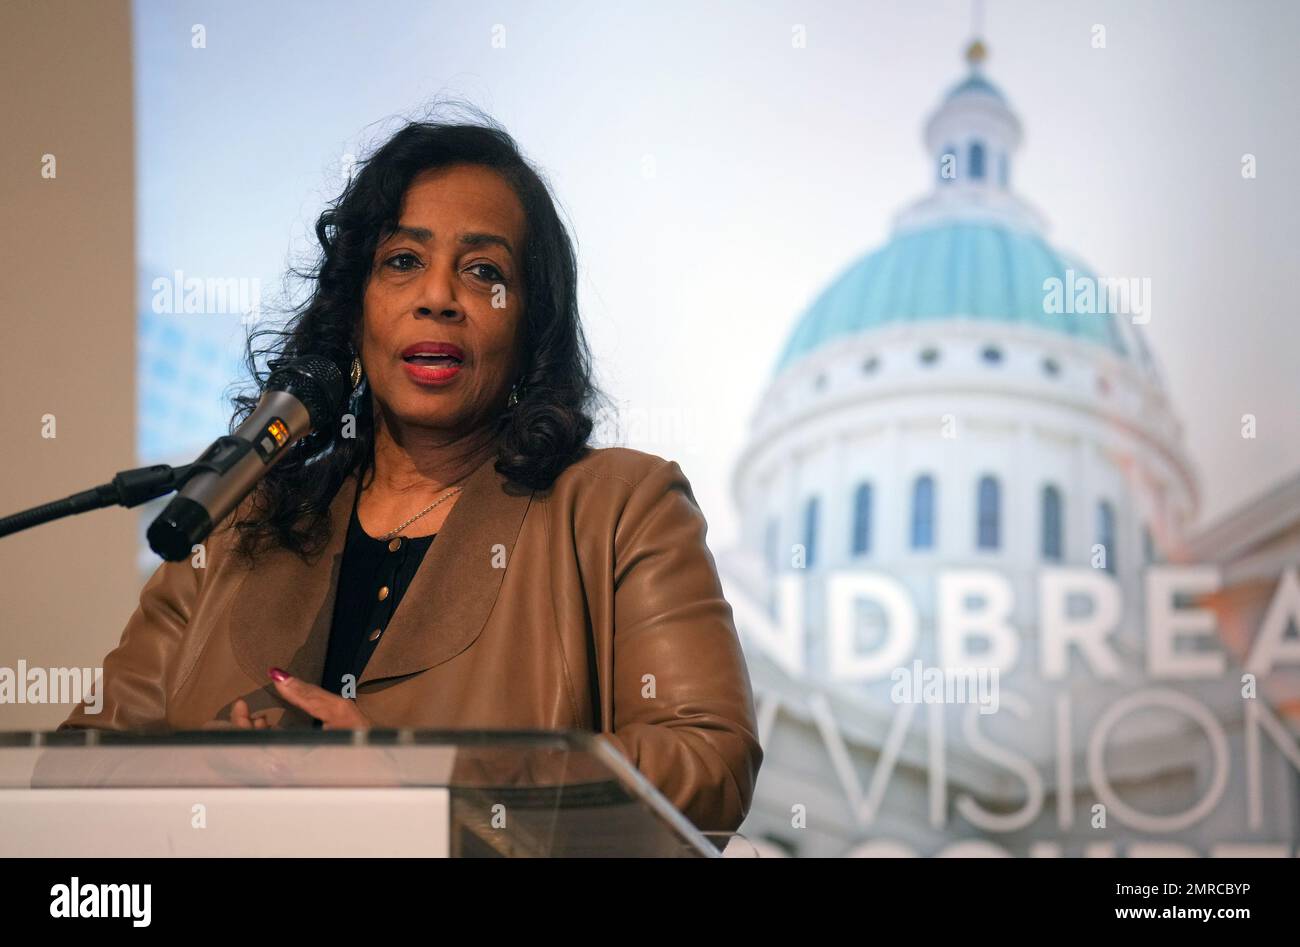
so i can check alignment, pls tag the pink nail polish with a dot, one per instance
(278, 675)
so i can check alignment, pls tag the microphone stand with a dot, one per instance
(128, 488)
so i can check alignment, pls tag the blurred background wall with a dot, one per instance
(67, 330)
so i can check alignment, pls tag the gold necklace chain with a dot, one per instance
(446, 496)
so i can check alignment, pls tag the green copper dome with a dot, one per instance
(977, 271)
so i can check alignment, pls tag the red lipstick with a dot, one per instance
(433, 363)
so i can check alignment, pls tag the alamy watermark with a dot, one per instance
(75, 899)
(933, 685)
(213, 295)
(57, 685)
(1090, 295)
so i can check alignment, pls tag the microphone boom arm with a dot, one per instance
(127, 488)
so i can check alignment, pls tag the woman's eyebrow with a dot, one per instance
(483, 239)
(424, 235)
(418, 234)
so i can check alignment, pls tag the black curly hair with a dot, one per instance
(539, 437)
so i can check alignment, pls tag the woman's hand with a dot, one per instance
(334, 712)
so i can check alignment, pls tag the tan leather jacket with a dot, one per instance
(530, 610)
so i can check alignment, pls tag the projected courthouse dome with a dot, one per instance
(967, 400)
(952, 397)
(972, 251)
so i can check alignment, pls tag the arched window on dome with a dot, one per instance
(1002, 169)
(977, 161)
(862, 520)
(772, 553)
(1106, 532)
(988, 513)
(810, 531)
(923, 512)
(1052, 544)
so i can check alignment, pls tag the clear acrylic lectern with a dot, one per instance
(224, 793)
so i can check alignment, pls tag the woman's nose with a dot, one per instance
(437, 294)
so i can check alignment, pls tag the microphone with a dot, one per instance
(301, 396)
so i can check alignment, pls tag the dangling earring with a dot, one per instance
(514, 396)
(356, 374)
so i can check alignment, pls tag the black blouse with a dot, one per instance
(373, 578)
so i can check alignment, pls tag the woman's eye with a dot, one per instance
(494, 275)
(393, 261)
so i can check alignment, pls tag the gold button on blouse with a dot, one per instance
(376, 633)
(395, 544)
(383, 593)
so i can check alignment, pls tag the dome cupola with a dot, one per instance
(973, 134)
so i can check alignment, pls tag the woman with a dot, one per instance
(541, 583)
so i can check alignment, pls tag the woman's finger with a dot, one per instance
(334, 712)
(239, 714)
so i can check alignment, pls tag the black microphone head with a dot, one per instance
(179, 528)
(317, 382)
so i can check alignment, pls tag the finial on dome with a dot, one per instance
(976, 52)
